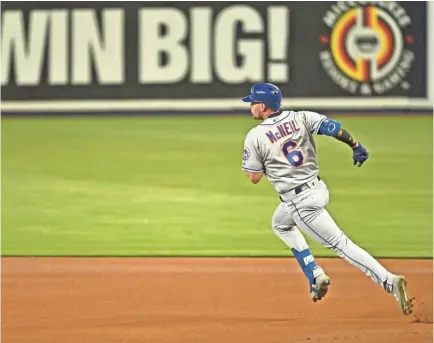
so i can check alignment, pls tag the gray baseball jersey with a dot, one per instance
(283, 148)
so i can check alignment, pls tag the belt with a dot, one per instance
(301, 188)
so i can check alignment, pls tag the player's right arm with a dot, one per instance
(321, 125)
(252, 163)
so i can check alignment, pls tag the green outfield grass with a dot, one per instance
(174, 186)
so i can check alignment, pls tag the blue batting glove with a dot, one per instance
(360, 154)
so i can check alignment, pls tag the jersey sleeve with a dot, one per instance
(313, 121)
(252, 161)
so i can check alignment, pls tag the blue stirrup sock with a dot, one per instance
(307, 263)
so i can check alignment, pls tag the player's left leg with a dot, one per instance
(284, 227)
(308, 211)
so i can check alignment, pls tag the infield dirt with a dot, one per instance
(205, 300)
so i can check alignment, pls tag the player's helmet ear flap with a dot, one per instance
(266, 93)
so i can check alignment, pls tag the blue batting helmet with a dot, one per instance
(266, 93)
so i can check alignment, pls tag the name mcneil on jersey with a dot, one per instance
(285, 129)
(151, 45)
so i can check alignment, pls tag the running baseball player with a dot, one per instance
(282, 148)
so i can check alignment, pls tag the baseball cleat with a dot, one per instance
(400, 293)
(320, 288)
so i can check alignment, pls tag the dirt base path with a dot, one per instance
(209, 300)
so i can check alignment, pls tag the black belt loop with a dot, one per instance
(299, 189)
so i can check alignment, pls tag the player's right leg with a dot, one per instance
(284, 227)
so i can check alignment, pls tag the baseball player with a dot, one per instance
(282, 148)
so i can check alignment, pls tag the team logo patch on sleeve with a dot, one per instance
(246, 154)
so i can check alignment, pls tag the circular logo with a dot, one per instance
(246, 154)
(367, 48)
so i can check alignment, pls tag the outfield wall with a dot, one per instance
(154, 57)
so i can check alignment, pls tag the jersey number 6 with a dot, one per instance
(294, 156)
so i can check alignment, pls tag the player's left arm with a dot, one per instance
(333, 128)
